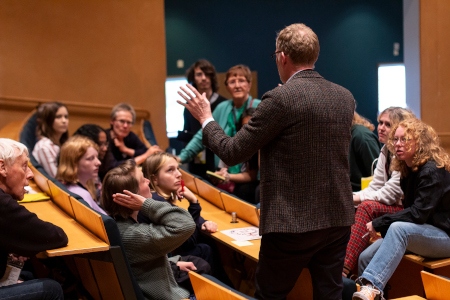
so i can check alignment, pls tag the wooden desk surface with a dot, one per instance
(223, 220)
(80, 239)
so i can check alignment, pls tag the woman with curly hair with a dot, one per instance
(423, 226)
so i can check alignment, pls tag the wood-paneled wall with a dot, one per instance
(435, 66)
(88, 52)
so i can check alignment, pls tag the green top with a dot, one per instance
(222, 115)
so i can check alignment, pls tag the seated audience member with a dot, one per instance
(78, 169)
(202, 75)
(246, 181)
(22, 233)
(161, 169)
(364, 149)
(228, 114)
(147, 245)
(125, 144)
(382, 196)
(423, 226)
(53, 123)
(99, 136)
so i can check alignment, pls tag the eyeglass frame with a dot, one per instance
(274, 55)
(123, 122)
(403, 140)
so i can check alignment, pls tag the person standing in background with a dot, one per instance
(238, 81)
(303, 130)
(202, 75)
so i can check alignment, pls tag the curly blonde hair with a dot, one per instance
(427, 146)
(360, 120)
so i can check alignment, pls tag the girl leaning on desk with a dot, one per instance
(125, 193)
(423, 225)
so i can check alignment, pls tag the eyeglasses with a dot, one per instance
(403, 140)
(274, 55)
(123, 122)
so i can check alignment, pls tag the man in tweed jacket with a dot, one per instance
(303, 131)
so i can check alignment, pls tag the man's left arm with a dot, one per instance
(24, 233)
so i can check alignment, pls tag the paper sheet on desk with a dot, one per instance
(243, 234)
(32, 195)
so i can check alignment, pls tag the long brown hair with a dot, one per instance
(116, 180)
(151, 167)
(45, 116)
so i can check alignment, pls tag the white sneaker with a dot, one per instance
(366, 293)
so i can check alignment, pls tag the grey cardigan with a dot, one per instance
(147, 246)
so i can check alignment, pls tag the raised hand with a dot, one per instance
(197, 104)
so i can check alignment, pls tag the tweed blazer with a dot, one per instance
(303, 131)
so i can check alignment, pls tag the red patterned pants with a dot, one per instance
(366, 212)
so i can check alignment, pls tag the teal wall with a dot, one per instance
(355, 36)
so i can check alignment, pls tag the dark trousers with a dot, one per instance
(37, 289)
(282, 257)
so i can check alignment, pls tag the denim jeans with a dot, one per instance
(366, 256)
(38, 289)
(424, 239)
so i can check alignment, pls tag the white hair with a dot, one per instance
(10, 150)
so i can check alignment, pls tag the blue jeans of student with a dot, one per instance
(366, 256)
(38, 289)
(424, 239)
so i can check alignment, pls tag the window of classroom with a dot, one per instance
(391, 86)
(174, 111)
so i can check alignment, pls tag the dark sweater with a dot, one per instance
(132, 141)
(364, 148)
(427, 199)
(23, 233)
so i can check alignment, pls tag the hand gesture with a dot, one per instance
(153, 149)
(198, 105)
(186, 193)
(373, 234)
(224, 172)
(129, 199)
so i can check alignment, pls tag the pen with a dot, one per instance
(366, 234)
(182, 185)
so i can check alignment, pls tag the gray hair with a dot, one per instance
(10, 150)
(123, 107)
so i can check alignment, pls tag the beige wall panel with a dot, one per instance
(99, 52)
(435, 65)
